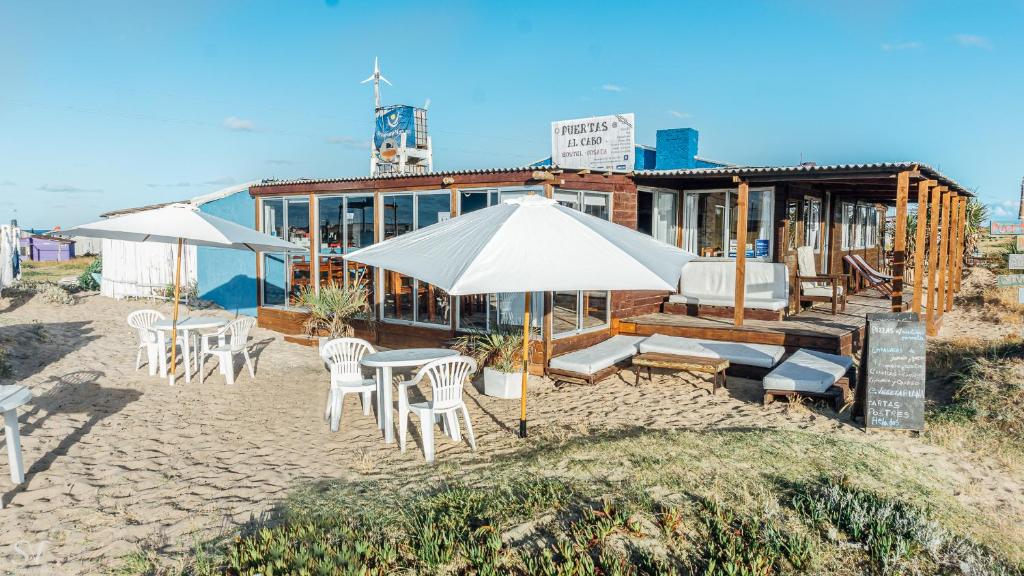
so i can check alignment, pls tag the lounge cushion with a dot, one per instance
(749, 303)
(599, 356)
(825, 290)
(713, 283)
(808, 371)
(761, 355)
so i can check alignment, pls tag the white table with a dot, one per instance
(186, 326)
(10, 398)
(383, 362)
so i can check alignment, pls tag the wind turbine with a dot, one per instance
(376, 78)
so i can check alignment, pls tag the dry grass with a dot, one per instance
(32, 271)
(977, 398)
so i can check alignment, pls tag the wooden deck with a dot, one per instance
(814, 328)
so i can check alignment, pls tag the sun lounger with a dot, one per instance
(592, 364)
(749, 360)
(864, 274)
(811, 373)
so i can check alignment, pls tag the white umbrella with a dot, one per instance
(529, 244)
(180, 224)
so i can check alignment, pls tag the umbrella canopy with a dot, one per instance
(182, 222)
(529, 244)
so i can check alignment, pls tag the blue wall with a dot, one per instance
(228, 277)
(676, 148)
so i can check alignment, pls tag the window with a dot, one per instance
(285, 275)
(406, 298)
(812, 223)
(710, 223)
(345, 224)
(656, 214)
(860, 226)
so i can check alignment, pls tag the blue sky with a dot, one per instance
(107, 104)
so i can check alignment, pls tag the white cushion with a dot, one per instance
(762, 355)
(823, 290)
(713, 283)
(808, 371)
(599, 356)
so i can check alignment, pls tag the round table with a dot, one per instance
(383, 362)
(185, 325)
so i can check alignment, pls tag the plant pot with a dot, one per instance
(98, 277)
(503, 384)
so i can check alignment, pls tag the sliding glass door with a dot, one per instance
(711, 218)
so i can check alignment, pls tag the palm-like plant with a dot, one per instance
(333, 307)
(974, 220)
(500, 350)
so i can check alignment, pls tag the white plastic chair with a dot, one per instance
(343, 356)
(224, 344)
(142, 321)
(447, 377)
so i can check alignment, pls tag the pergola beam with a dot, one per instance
(920, 238)
(899, 251)
(954, 227)
(960, 242)
(940, 302)
(933, 256)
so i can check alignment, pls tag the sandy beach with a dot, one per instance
(117, 459)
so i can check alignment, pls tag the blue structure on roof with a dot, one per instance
(675, 149)
(228, 277)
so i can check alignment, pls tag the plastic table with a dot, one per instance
(383, 362)
(186, 326)
(11, 397)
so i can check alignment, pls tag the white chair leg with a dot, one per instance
(403, 428)
(336, 408)
(366, 402)
(138, 358)
(469, 428)
(200, 361)
(330, 403)
(228, 360)
(427, 433)
(451, 425)
(248, 362)
(14, 446)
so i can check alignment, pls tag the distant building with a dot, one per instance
(47, 248)
(675, 149)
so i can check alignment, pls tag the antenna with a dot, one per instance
(376, 78)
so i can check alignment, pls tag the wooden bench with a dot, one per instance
(714, 366)
(838, 394)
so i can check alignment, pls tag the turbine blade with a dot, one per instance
(370, 79)
(386, 81)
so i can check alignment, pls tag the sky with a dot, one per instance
(112, 104)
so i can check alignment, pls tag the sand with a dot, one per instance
(117, 458)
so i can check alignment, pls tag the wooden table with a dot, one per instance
(714, 366)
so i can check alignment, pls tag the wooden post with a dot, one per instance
(314, 244)
(899, 250)
(526, 363)
(940, 305)
(741, 252)
(174, 315)
(954, 226)
(259, 257)
(933, 256)
(960, 241)
(920, 238)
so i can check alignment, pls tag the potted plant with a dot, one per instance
(501, 354)
(331, 310)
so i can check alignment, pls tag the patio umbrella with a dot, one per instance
(529, 244)
(181, 224)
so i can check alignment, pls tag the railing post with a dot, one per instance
(899, 249)
(741, 252)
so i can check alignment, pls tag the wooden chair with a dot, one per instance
(866, 275)
(816, 287)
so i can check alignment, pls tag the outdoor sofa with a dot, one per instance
(707, 288)
(596, 362)
(813, 374)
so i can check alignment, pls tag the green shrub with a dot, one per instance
(55, 294)
(86, 280)
(5, 364)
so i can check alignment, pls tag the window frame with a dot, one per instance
(690, 209)
(655, 193)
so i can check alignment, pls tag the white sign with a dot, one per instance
(598, 143)
(1016, 261)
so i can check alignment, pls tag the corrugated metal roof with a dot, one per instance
(471, 172)
(197, 200)
(932, 173)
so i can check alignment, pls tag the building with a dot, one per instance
(834, 209)
(675, 149)
(225, 277)
(46, 248)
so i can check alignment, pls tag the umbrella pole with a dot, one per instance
(526, 364)
(174, 316)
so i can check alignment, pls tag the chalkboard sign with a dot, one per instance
(893, 383)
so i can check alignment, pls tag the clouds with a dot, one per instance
(67, 189)
(348, 142)
(899, 46)
(7, 183)
(973, 41)
(678, 114)
(237, 124)
(174, 185)
(222, 181)
(612, 88)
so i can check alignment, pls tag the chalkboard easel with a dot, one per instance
(891, 391)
